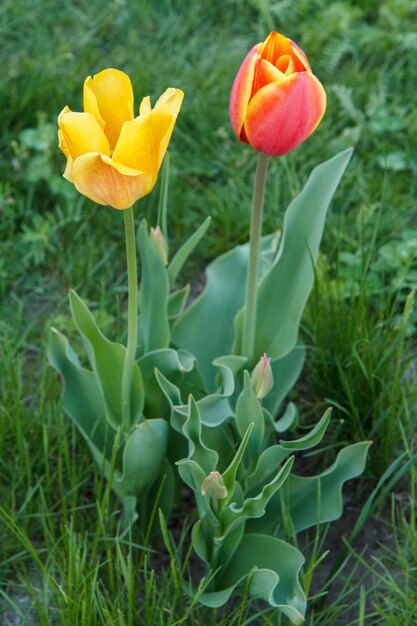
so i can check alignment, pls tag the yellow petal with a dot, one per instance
(82, 134)
(144, 140)
(90, 101)
(105, 182)
(109, 96)
(170, 101)
(64, 147)
(145, 106)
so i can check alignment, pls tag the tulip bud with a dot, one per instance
(160, 243)
(213, 486)
(276, 101)
(262, 378)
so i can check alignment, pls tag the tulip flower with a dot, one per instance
(113, 158)
(276, 101)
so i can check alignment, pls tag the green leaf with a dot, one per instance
(83, 400)
(287, 419)
(229, 476)
(173, 365)
(284, 290)
(197, 451)
(312, 438)
(249, 410)
(206, 328)
(313, 500)
(154, 292)
(255, 507)
(286, 372)
(216, 408)
(270, 459)
(186, 249)
(143, 454)
(274, 567)
(176, 302)
(107, 360)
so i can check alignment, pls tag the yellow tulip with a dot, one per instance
(113, 158)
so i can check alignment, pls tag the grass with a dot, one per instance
(63, 558)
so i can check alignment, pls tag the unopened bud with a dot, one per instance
(213, 486)
(262, 378)
(160, 243)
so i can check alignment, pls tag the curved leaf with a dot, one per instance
(143, 454)
(186, 249)
(198, 330)
(83, 400)
(107, 359)
(284, 290)
(274, 567)
(313, 500)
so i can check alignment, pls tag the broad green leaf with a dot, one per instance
(255, 507)
(287, 419)
(274, 566)
(284, 290)
(312, 500)
(83, 400)
(154, 290)
(197, 451)
(286, 372)
(216, 408)
(186, 249)
(177, 367)
(313, 437)
(206, 328)
(249, 410)
(176, 302)
(229, 475)
(268, 462)
(143, 454)
(107, 359)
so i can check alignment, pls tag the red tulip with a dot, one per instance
(276, 101)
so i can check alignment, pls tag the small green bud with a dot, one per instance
(160, 243)
(262, 378)
(213, 486)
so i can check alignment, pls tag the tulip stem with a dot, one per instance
(132, 322)
(249, 322)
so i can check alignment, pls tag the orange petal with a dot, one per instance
(81, 134)
(109, 97)
(282, 115)
(242, 90)
(105, 182)
(275, 46)
(300, 55)
(265, 73)
(144, 140)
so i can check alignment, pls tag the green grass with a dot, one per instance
(63, 560)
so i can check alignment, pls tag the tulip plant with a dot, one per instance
(197, 393)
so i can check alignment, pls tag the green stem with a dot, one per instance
(249, 323)
(132, 322)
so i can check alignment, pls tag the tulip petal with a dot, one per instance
(170, 101)
(109, 97)
(282, 115)
(62, 144)
(105, 182)
(144, 140)
(274, 47)
(242, 90)
(265, 73)
(81, 134)
(301, 57)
